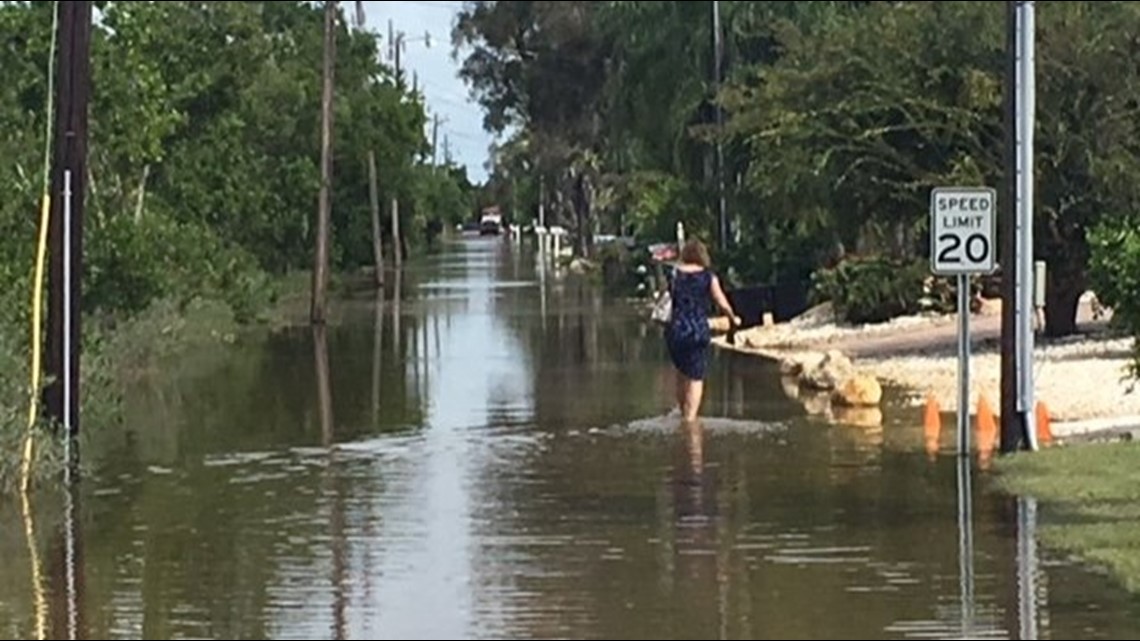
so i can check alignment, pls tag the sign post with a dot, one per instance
(963, 228)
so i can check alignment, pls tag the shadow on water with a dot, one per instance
(486, 453)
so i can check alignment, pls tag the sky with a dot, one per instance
(461, 119)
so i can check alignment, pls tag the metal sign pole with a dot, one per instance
(963, 228)
(1026, 116)
(963, 364)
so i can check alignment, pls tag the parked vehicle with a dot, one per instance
(491, 223)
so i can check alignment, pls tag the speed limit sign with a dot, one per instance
(963, 230)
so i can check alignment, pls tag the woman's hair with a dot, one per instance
(695, 252)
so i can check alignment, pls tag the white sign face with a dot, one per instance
(963, 230)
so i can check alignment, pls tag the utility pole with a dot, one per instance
(373, 189)
(1017, 411)
(374, 204)
(65, 230)
(395, 43)
(1010, 428)
(397, 248)
(321, 257)
(434, 141)
(718, 54)
(446, 150)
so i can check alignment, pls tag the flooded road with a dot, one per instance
(488, 457)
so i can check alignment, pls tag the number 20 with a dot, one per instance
(977, 248)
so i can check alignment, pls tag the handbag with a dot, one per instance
(663, 308)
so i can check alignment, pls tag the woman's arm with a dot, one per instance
(722, 301)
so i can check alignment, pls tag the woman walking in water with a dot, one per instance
(688, 335)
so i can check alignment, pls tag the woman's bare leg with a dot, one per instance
(693, 393)
(680, 391)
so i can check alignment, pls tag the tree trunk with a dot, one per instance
(139, 204)
(581, 201)
(1062, 297)
(374, 203)
(321, 258)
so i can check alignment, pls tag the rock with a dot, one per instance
(797, 364)
(989, 307)
(816, 403)
(754, 340)
(581, 266)
(859, 390)
(791, 367)
(832, 369)
(791, 386)
(865, 417)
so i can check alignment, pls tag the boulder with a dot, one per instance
(859, 390)
(831, 370)
(797, 364)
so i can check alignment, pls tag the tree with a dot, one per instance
(321, 255)
(542, 66)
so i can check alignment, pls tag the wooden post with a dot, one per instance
(1011, 429)
(397, 250)
(374, 203)
(65, 231)
(321, 257)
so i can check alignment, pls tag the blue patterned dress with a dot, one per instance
(687, 335)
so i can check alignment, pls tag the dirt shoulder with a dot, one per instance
(1079, 378)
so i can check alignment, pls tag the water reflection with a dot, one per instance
(67, 573)
(966, 545)
(444, 462)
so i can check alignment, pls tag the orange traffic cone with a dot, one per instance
(1044, 430)
(986, 427)
(931, 426)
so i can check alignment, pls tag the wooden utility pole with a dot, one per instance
(435, 142)
(374, 203)
(1012, 430)
(373, 189)
(718, 57)
(65, 231)
(321, 255)
(397, 249)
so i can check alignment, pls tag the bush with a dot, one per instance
(134, 264)
(873, 289)
(619, 271)
(1114, 273)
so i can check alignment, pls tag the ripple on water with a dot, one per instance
(468, 286)
(670, 423)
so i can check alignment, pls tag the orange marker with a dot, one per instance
(931, 425)
(1044, 430)
(986, 429)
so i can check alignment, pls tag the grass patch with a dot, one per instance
(1090, 495)
(119, 353)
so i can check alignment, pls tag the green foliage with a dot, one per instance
(1114, 269)
(133, 264)
(840, 118)
(204, 148)
(203, 163)
(872, 289)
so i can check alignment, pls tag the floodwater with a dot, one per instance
(489, 456)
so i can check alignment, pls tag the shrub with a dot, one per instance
(873, 289)
(1114, 273)
(133, 264)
